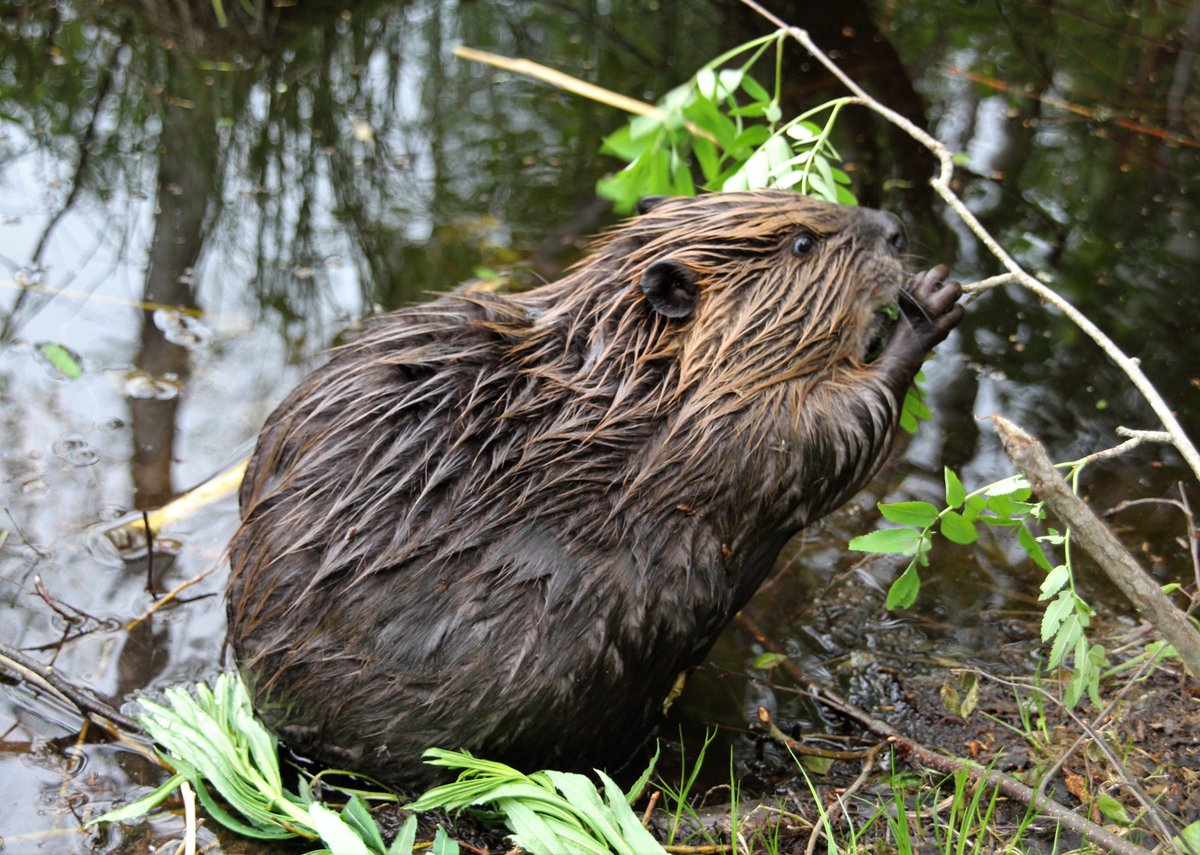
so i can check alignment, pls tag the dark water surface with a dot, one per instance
(199, 213)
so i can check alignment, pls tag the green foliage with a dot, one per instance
(726, 126)
(1002, 504)
(547, 812)
(212, 739)
(679, 798)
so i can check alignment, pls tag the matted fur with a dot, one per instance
(507, 522)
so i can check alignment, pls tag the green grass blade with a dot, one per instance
(142, 805)
(631, 826)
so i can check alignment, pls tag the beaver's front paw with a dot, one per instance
(928, 312)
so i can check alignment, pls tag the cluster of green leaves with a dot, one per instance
(1002, 504)
(214, 742)
(547, 812)
(729, 127)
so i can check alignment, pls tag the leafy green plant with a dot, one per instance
(1002, 504)
(730, 128)
(212, 739)
(547, 812)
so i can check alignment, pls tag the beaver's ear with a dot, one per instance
(670, 288)
(646, 203)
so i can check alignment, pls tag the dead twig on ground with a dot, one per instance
(915, 753)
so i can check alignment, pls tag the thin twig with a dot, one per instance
(651, 803)
(778, 736)
(1091, 732)
(914, 752)
(1191, 542)
(1109, 554)
(84, 701)
(840, 807)
(573, 85)
(172, 594)
(189, 815)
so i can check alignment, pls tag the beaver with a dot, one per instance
(507, 522)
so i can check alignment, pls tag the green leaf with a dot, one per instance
(756, 170)
(1033, 549)
(1064, 641)
(405, 838)
(903, 592)
(1013, 485)
(335, 833)
(1054, 581)
(766, 661)
(1189, 838)
(621, 144)
(803, 132)
(443, 844)
(681, 181)
(957, 528)
(705, 115)
(921, 514)
(632, 831)
(706, 157)
(533, 834)
(905, 541)
(973, 507)
(1055, 614)
(645, 126)
(955, 494)
(635, 791)
(913, 410)
(357, 815)
(845, 197)
(62, 359)
(144, 804)
(730, 79)
(755, 89)
(750, 138)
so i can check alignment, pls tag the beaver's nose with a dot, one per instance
(884, 231)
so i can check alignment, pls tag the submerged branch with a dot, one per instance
(84, 701)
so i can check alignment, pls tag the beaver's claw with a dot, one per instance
(930, 308)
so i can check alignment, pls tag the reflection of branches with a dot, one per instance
(76, 182)
(941, 184)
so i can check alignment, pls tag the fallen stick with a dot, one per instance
(914, 752)
(1030, 458)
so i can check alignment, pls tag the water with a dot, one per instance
(197, 214)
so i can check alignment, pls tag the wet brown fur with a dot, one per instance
(466, 529)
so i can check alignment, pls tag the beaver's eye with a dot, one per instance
(804, 243)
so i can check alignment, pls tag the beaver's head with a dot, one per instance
(775, 282)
